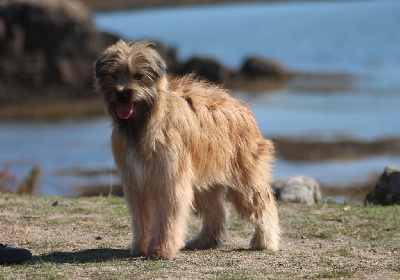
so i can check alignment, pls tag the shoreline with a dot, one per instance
(47, 106)
(51, 109)
(258, 75)
(353, 192)
(106, 5)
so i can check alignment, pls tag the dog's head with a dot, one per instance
(128, 76)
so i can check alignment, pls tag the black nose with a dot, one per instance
(124, 96)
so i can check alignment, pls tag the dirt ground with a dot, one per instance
(88, 238)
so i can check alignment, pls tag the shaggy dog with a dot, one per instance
(180, 143)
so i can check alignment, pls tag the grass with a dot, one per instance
(88, 238)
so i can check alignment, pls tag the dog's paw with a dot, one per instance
(202, 243)
(260, 242)
(136, 252)
(158, 255)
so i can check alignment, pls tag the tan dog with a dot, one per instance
(180, 142)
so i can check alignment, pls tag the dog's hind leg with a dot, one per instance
(210, 204)
(257, 205)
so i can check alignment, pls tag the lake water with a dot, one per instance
(336, 36)
(360, 37)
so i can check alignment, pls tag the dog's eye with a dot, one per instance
(138, 76)
(114, 76)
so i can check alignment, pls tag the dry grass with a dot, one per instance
(88, 238)
(9, 181)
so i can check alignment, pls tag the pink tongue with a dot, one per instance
(124, 110)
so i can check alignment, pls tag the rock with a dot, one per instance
(208, 68)
(257, 67)
(170, 54)
(298, 189)
(387, 189)
(46, 42)
(48, 47)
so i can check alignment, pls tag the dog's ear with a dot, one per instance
(160, 67)
(153, 46)
(99, 66)
(130, 43)
(157, 62)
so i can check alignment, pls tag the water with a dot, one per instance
(360, 114)
(340, 36)
(359, 37)
(57, 146)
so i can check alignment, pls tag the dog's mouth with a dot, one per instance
(124, 110)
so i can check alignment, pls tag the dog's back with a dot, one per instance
(225, 138)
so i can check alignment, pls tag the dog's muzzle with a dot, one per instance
(124, 96)
(124, 104)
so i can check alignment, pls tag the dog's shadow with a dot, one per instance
(85, 256)
(103, 255)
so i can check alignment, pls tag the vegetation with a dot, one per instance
(88, 238)
(9, 181)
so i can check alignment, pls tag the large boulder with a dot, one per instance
(208, 68)
(170, 54)
(298, 189)
(387, 189)
(258, 67)
(46, 42)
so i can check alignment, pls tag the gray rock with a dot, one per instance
(387, 189)
(45, 42)
(298, 189)
(208, 68)
(256, 67)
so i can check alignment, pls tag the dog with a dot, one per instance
(182, 143)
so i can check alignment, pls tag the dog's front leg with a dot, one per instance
(141, 209)
(170, 221)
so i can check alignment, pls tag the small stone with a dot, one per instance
(298, 189)
(347, 208)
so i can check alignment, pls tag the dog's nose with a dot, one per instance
(124, 96)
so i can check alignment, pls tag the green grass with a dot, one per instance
(88, 238)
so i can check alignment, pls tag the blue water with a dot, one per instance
(357, 37)
(366, 115)
(337, 36)
(56, 146)
(354, 37)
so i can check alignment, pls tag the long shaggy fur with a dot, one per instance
(180, 143)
